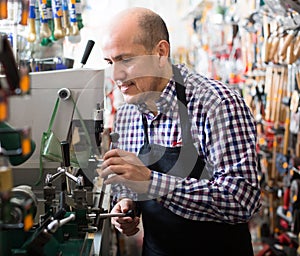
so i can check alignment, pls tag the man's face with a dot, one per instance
(134, 69)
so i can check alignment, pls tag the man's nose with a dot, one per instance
(118, 72)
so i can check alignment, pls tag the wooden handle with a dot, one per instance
(287, 41)
(274, 47)
(73, 18)
(266, 50)
(45, 30)
(65, 16)
(294, 101)
(57, 17)
(32, 31)
(66, 21)
(58, 29)
(297, 46)
(31, 22)
(74, 29)
(290, 58)
(266, 26)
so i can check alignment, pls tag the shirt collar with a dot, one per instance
(167, 101)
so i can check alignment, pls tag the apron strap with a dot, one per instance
(182, 105)
(145, 127)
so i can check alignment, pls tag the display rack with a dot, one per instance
(265, 43)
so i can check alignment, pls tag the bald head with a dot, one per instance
(137, 47)
(148, 26)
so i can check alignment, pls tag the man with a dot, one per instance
(186, 155)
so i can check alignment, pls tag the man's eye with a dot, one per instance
(109, 62)
(127, 60)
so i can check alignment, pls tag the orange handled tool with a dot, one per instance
(3, 9)
(24, 13)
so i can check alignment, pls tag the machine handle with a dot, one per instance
(65, 149)
(130, 213)
(87, 51)
(55, 224)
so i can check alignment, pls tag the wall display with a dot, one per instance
(257, 53)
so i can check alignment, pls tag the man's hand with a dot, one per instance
(128, 170)
(126, 225)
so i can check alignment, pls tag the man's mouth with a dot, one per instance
(124, 87)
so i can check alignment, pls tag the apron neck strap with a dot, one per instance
(145, 127)
(182, 106)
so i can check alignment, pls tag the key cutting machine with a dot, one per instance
(52, 201)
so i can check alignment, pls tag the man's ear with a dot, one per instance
(163, 50)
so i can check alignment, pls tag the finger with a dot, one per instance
(133, 232)
(125, 222)
(115, 160)
(105, 172)
(112, 153)
(121, 156)
(128, 232)
(114, 179)
(125, 226)
(112, 169)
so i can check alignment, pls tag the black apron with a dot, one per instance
(166, 233)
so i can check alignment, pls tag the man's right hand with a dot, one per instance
(126, 225)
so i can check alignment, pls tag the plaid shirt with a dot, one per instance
(224, 134)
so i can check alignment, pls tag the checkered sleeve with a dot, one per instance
(119, 191)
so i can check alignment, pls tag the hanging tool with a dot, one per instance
(297, 46)
(274, 39)
(65, 14)
(269, 90)
(73, 18)
(273, 43)
(266, 35)
(24, 12)
(45, 30)
(78, 14)
(287, 40)
(57, 16)
(3, 9)
(31, 22)
(290, 57)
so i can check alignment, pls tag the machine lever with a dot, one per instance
(130, 213)
(55, 224)
(65, 148)
(87, 52)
